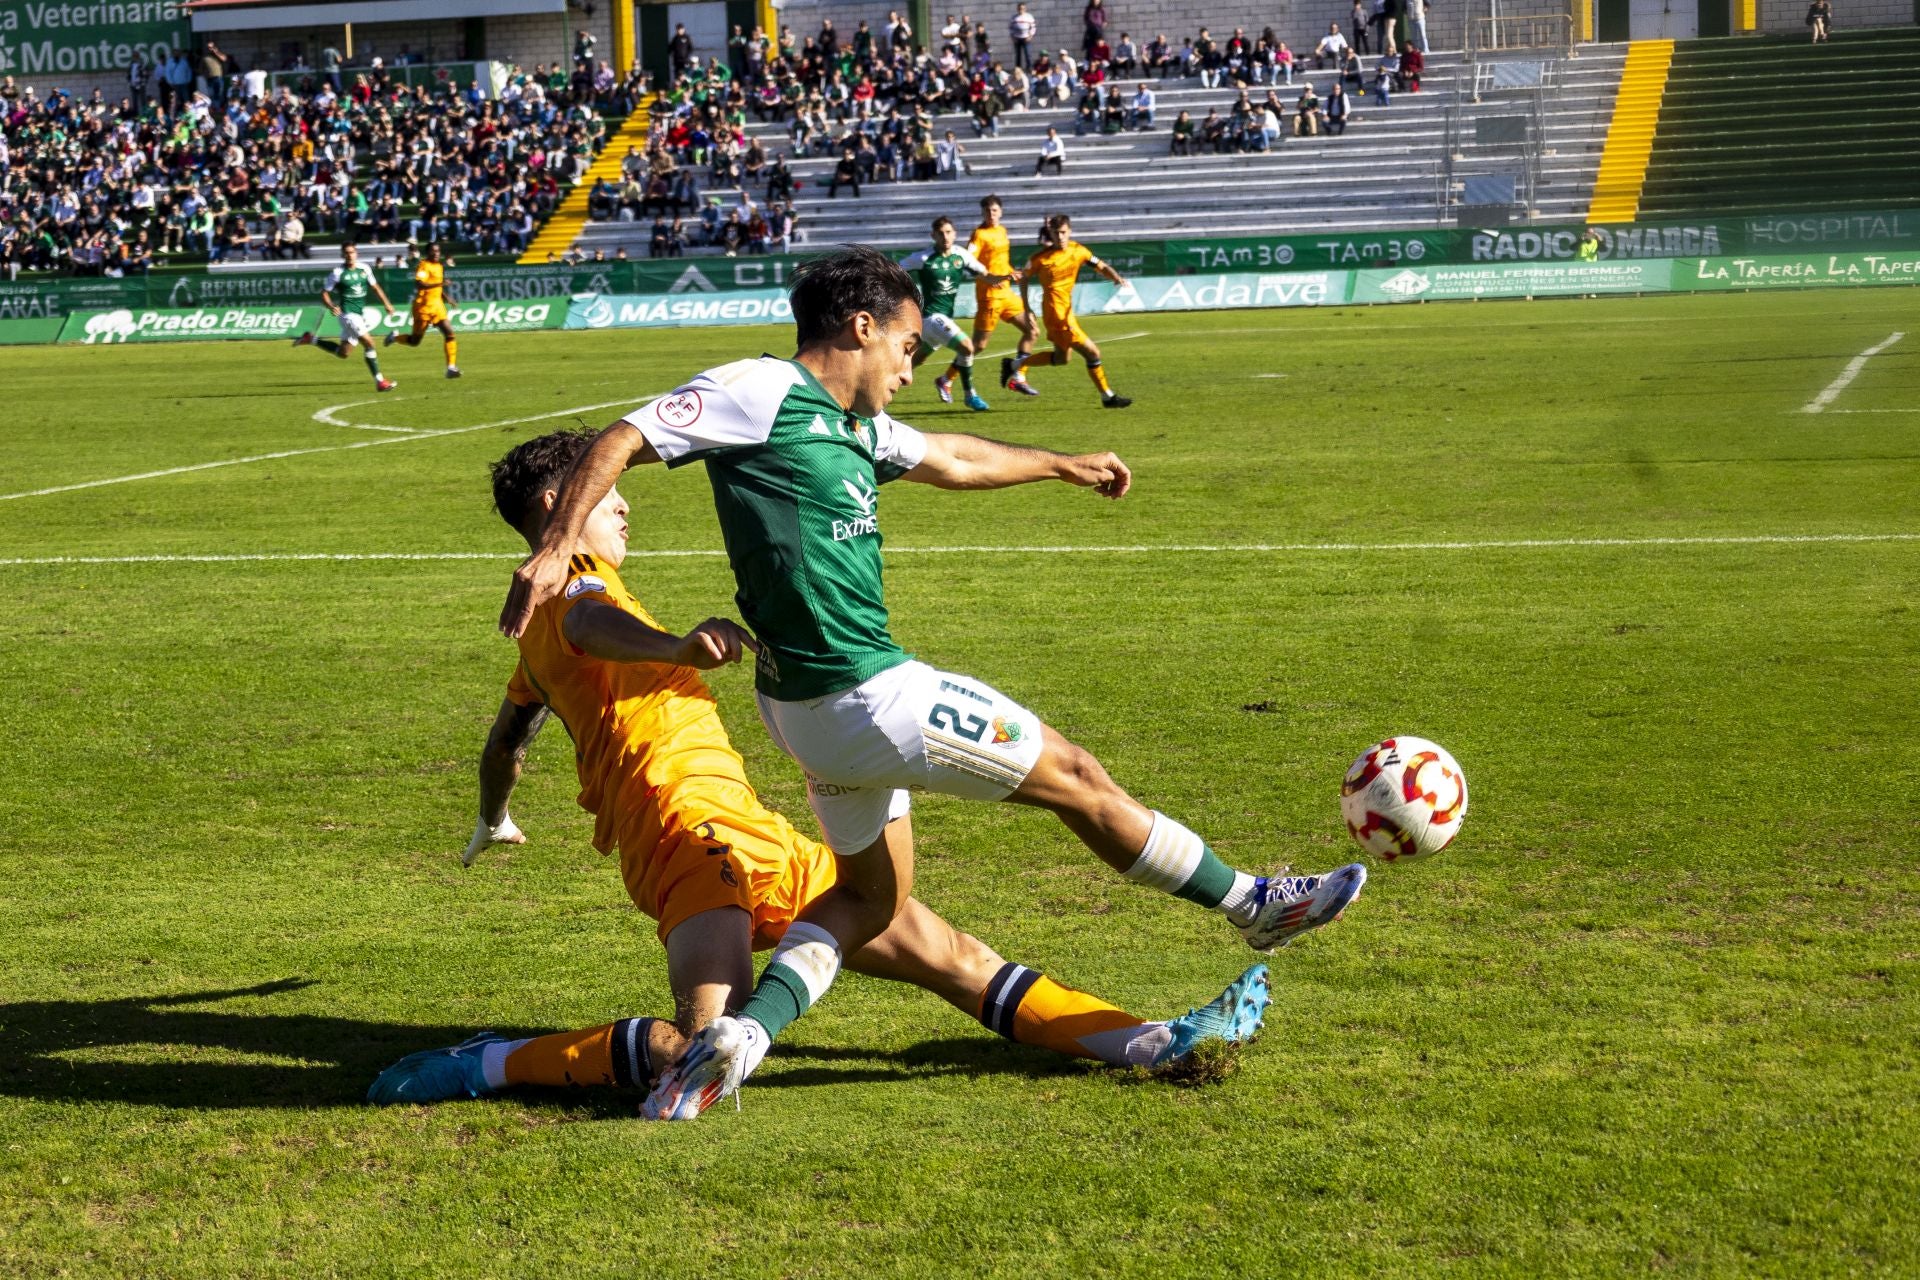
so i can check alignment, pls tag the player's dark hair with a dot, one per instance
(942, 221)
(990, 199)
(828, 292)
(532, 468)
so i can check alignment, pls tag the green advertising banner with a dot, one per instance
(1807, 271)
(198, 324)
(1509, 280)
(1223, 290)
(23, 333)
(190, 324)
(1374, 250)
(629, 311)
(48, 37)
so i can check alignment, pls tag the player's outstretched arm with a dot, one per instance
(956, 461)
(617, 636)
(514, 730)
(542, 574)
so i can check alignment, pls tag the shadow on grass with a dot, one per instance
(155, 1052)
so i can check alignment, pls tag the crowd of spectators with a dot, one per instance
(200, 159)
(869, 99)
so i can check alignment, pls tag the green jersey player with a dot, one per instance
(345, 295)
(940, 271)
(797, 451)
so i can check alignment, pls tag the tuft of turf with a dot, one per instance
(1652, 1011)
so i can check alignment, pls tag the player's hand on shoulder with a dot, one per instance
(1104, 473)
(538, 580)
(714, 643)
(483, 835)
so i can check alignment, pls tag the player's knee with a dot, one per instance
(1079, 773)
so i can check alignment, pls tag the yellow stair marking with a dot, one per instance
(566, 222)
(1623, 164)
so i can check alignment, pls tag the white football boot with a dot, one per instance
(708, 1069)
(1292, 905)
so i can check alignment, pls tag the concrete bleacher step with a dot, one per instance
(1383, 172)
(1736, 135)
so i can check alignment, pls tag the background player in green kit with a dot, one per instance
(797, 452)
(940, 271)
(345, 294)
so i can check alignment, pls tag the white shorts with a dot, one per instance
(938, 331)
(352, 327)
(908, 727)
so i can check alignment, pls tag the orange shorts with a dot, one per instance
(1064, 331)
(721, 848)
(989, 311)
(424, 318)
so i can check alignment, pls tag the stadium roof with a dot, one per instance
(256, 15)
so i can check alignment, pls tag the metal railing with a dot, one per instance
(1537, 35)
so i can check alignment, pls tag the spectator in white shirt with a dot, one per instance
(256, 84)
(1053, 151)
(948, 156)
(1021, 27)
(1142, 115)
(1332, 47)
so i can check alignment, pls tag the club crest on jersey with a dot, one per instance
(681, 409)
(584, 583)
(1006, 731)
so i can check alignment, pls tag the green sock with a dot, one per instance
(801, 969)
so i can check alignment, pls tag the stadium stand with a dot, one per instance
(1382, 171)
(90, 187)
(1740, 132)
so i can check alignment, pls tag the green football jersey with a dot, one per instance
(940, 276)
(796, 483)
(350, 284)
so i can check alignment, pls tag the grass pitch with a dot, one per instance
(1654, 1010)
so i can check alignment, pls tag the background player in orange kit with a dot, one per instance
(993, 303)
(722, 874)
(430, 302)
(1055, 269)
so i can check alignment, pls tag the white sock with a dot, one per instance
(758, 1042)
(493, 1061)
(1242, 901)
(1129, 1046)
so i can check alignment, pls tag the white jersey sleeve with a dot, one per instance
(897, 448)
(333, 280)
(915, 260)
(731, 407)
(971, 263)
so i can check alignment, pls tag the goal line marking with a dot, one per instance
(1820, 402)
(325, 448)
(1504, 544)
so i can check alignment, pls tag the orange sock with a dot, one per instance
(453, 352)
(1099, 375)
(1031, 1008)
(1037, 357)
(614, 1054)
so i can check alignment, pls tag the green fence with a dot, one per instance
(1773, 234)
(1205, 291)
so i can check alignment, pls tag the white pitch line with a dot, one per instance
(1873, 411)
(325, 448)
(1127, 337)
(1820, 402)
(1507, 544)
(326, 415)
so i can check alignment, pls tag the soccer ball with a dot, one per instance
(1404, 798)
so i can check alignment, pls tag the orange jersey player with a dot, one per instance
(430, 303)
(1055, 268)
(721, 873)
(993, 303)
